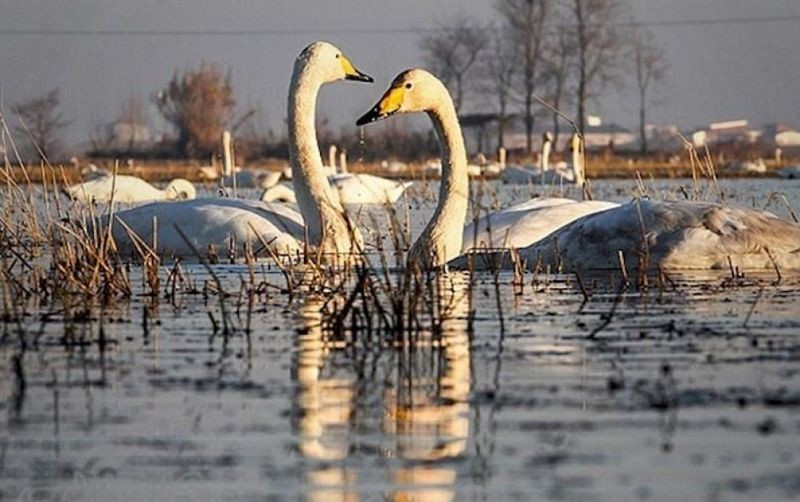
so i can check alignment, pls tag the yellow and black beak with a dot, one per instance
(389, 104)
(351, 73)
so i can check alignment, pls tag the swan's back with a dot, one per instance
(365, 188)
(673, 235)
(211, 222)
(127, 189)
(522, 225)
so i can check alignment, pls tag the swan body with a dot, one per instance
(129, 189)
(348, 189)
(677, 235)
(561, 173)
(352, 189)
(248, 178)
(92, 172)
(215, 222)
(417, 90)
(209, 222)
(279, 193)
(524, 224)
(747, 167)
(326, 223)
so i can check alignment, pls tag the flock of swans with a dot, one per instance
(572, 235)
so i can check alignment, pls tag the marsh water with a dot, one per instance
(685, 391)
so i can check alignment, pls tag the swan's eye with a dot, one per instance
(409, 86)
(337, 56)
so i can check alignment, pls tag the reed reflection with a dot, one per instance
(410, 397)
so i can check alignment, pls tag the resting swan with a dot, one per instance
(215, 221)
(359, 189)
(418, 91)
(522, 225)
(279, 193)
(677, 235)
(561, 173)
(129, 189)
(682, 235)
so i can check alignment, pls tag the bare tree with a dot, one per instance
(599, 46)
(525, 21)
(452, 52)
(199, 104)
(42, 122)
(132, 114)
(650, 67)
(559, 61)
(498, 73)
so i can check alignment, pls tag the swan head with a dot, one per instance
(413, 90)
(180, 189)
(330, 62)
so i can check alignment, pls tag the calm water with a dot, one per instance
(688, 392)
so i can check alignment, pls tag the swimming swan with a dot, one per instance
(524, 224)
(217, 220)
(361, 189)
(561, 173)
(129, 189)
(418, 91)
(667, 235)
(352, 189)
(279, 193)
(326, 224)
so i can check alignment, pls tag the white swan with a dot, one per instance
(682, 235)
(279, 193)
(217, 221)
(326, 222)
(129, 189)
(521, 175)
(561, 173)
(358, 189)
(416, 91)
(524, 224)
(757, 166)
(667, 235)
(209, 222)
(252, 178)
(353, 189)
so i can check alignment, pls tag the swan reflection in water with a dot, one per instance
(409, 400)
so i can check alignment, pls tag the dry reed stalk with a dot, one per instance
(226, 330)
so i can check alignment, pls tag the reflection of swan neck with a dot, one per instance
(442, 237)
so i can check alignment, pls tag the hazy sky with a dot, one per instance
(718, 72)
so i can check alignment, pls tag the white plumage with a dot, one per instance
(522, 225)
(351, 189)
(669, 235)
(209, 222)
(129, 189)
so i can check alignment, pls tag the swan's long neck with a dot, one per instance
(546, 147)
(441, 240)
(578, 159)
(324, 217)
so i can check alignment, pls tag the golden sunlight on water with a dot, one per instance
(424, 410)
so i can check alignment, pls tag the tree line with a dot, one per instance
(564, 52)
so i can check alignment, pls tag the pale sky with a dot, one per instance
(718, 72)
